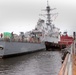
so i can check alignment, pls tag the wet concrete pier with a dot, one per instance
(38, 63)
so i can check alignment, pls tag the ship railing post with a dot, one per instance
(73, 47)
(71, 58)
(74, 41)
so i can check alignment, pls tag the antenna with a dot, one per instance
(47, 3)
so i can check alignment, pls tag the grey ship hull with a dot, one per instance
(13, 48)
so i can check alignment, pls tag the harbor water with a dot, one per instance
(37, 63)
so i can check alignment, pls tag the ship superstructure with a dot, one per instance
(48, 32)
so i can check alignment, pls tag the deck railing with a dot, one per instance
(66, 68)
(24, 41)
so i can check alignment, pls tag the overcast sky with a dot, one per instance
(22, 15)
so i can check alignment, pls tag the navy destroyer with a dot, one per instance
(19, 44)
(48, 32)
(44, 36)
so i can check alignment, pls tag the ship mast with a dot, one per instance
(48, 14)
(49, 21)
